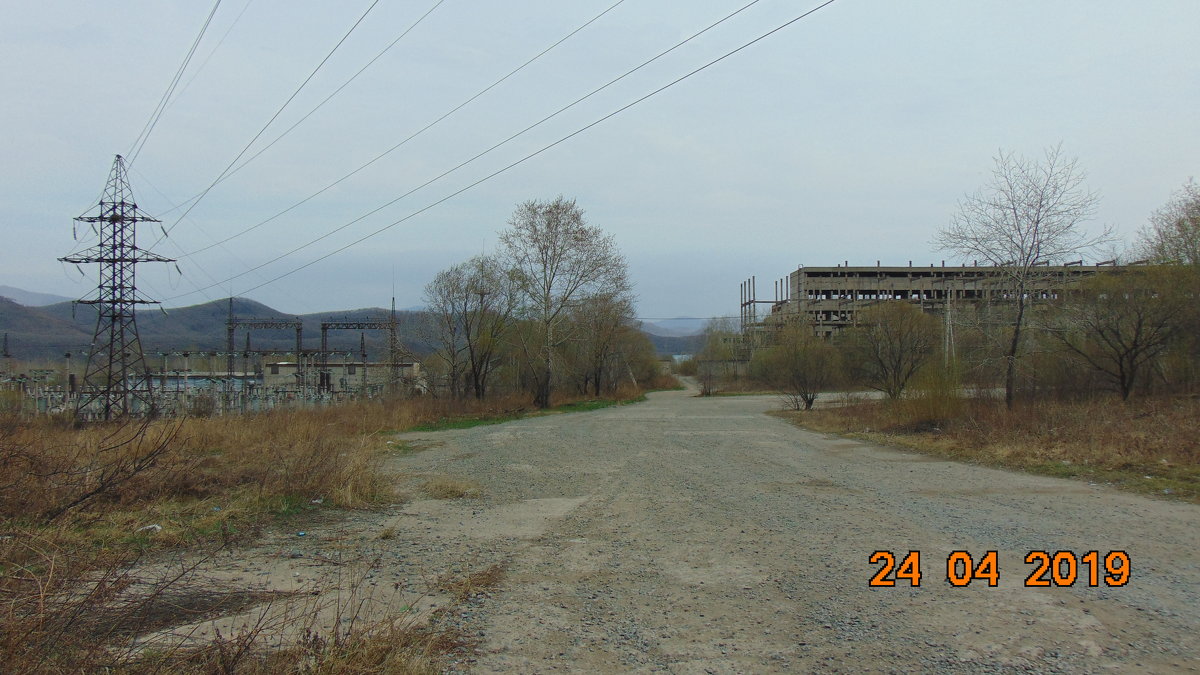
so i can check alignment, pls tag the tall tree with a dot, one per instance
(1118, 324)
(491, 301)
(446, 300)
(472, 304)
(1173, 234)
(891, 342)
(1029, 214)
(712, 361)
(558, 260)
(799, 364)
(604, 321)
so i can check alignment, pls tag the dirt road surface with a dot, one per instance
(698, 535)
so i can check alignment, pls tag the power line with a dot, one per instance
(471, 159)
(273, 142)
(485, 152)
(263, 130)
(220, 42)
(168, 97)
(335, 93)
(140, 141)
(411, 136)
(509, 166)
(201, 268)
(681, 318)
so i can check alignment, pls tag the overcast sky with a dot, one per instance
(849, 135)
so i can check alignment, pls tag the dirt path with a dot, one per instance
(699, 535)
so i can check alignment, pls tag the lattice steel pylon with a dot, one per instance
(117, 381)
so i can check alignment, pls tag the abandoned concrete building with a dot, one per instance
(830, 298)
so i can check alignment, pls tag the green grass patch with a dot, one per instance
(447, 423)
(470, 421)
(584, 406)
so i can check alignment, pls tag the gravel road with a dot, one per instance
(698, 535)
(688, 534)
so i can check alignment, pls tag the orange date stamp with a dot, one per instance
(1058, 569)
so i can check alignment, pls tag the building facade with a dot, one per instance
(831, 298)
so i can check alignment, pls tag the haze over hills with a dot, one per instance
(31, 298)
(48, 332)
(683, 326)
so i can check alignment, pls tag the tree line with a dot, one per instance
(1134, 329)
(552, 309)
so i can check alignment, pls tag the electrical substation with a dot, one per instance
(120, 380)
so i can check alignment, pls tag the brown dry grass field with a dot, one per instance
(80, 507)
(1149, 445)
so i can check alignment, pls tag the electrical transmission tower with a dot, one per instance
(117, 381)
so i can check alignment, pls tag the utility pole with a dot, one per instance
(362, 348)
(116, 382)
(948, 341)
(393, 351)
(7, 369)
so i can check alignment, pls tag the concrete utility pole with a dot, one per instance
(7, 359)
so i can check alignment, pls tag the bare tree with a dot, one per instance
(558, 261)
(1173, 234)
(472, 304)
(799, 364)
(1029, 214)
(891, 343)
(603, 321)
(712, 361)
(491, 301)
(1120, 323)
(447, 298)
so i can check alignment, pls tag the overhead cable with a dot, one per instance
(263, 130)
(175, 207)
(507, 167)
(478, 155)
(298, 122)
(140, 141)
(237, 19)
(410, 137)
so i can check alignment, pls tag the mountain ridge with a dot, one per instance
(31, 298)
(50, 331)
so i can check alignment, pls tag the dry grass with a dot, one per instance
(402, 644)
(447, 487)
(1149, 445)
(81, 507)
(663, 382)
(209, 470)
(473, 584)
(404, 650)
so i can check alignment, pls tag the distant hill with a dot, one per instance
(34, 333)
(49, 332)
(676, 344)
(680, 327)
(30, 298)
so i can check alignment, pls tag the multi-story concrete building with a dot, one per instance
(830, 298)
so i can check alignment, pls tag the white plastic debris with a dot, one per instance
(150, 528)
